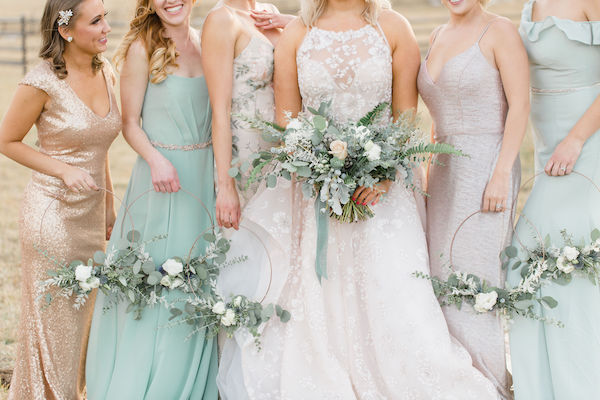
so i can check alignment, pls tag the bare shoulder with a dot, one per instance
(293, 32)
(137, 50)
(434, 33)
(392, 21)
(503, 29)
(217, 18)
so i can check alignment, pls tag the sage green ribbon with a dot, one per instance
(322, 236)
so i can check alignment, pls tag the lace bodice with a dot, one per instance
(352, 69)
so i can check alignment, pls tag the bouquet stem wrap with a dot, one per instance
(322, 220)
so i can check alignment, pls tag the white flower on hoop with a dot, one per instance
(64, 16)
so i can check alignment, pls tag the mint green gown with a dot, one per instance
(141, 359)
(549, 362)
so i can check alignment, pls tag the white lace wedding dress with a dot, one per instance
(371, 330)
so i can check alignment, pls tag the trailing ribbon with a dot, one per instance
(322, 238)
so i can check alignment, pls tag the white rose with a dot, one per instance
(83, 273)
(571, 253)
(172, 267)
(373, 151)
(237, 301)
(229, 318)
(564, 266)
(587, 250)
(219, 308)
(294, 124)
(166, 281)
(89, 284)
(339, 149)
(176, 283)
(485, 301)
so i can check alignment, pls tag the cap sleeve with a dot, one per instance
(41, 77)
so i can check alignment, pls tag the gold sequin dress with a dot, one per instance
(51, 353)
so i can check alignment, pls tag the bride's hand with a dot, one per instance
(228, 207)
(495, 195)
(364, 195)
(164, 175)
(267, 20)
(564, 157)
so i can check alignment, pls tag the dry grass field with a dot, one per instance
(13, 177)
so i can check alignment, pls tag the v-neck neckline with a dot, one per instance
(86, 106)
(436, 81)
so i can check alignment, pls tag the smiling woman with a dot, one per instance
(63, 215)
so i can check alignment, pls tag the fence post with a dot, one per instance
(24, 43)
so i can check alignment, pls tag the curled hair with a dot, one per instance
(147, 27)
(312, 10)
(53, 45)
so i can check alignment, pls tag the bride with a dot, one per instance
(371, 330)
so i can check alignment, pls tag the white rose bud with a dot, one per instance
(485, 301)
(571, 253)
(172, 267)
(229, 318)
(294, 124)
(86, 287)
(373, 151)
(219, 308)
(339, 149)
(237, 301)
(166, 281)
(564, 266)
(83, 273)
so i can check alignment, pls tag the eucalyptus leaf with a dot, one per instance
(233, 172)
(285, 316)
(304, 172)
(271, 181)
(137, 267)
(99, 257)
(511, 251)
(209, 237)
(122, 280)
(148, 267)
(131, 295)
(134, 236)
(595, 235)
(550, 301)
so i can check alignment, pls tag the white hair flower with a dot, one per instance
(64, 16)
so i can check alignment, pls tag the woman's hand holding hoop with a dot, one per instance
(164, 176)
(496, 193)
(564, 157)
(228, 207)
(78, 180)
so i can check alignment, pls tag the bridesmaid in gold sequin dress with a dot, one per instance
(69, 98)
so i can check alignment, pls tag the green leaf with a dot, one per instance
(516, 265)
(134, 236)
(286, 174)
(123, 244)
(148, 267)
(220, 259)
(131, 295)
(123, 281)
(189, 308)
(137, 267)
(267, 312)
(549, 301)
(285, 316)
(511, 251)
(209, 237)
(304, 172)
(129, 308)
(48, 298)
(202, 273)
(336, 163)
(319, 122)
(223, 244)
(595, 235)
(547, 241)
(271, 181)
(233, 172)
(175, 311)
(99, 257)
(278, 310)
(75, 263)
(372, 115)
(154, 278)
(312, 110)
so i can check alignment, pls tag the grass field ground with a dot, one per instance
(13, 177)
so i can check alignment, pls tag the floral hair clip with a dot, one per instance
(64, 17)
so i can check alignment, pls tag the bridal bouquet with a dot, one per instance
(332, 159)
(126, 272)
(544, 264)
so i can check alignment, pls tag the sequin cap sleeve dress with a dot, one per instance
(51, 352)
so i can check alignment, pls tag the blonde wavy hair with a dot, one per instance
(53, 45)
(312, 10)
(147, 27)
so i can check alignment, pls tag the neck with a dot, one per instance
(179, 34)
(245, 5)
(78, 60)
(348, 7)
(472, 15)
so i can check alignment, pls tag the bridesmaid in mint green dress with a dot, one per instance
(550, 362)
(142, 359)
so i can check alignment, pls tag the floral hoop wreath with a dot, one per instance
(143, 284)
(468, 288)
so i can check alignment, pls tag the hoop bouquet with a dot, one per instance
(127, 273)
(332, 159)
(546, 263)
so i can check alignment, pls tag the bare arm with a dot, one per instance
(110, 202)
(24, 109)
(511, 59)
(218, 49)
(285, 79)
(134, 79)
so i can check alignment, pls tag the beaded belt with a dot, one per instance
(186, 147)
(566, 90)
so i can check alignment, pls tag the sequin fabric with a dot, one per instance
(51, 352)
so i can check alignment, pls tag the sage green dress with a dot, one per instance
(142, 359)
(549, 362)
